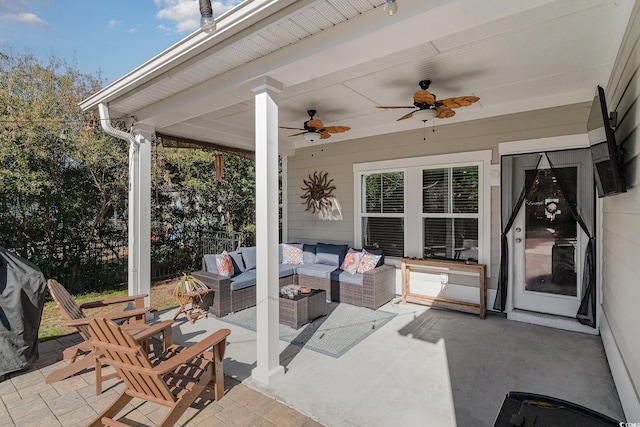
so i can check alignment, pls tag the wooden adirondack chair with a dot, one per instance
(176, 381)
(77, 318)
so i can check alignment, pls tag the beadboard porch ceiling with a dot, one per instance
(345, 57)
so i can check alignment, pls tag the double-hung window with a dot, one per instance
(435, 206)
(383, 211)
(450, 212)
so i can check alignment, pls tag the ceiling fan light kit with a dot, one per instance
(425, 115)
(311, 136)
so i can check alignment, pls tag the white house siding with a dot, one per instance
(621, 230)
(338, 158)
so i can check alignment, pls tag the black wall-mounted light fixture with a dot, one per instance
(207, 23)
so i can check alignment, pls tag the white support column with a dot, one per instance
(285, 199)
(267, 299)
(140, 213)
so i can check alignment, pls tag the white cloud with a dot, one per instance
(27, 18)
(185, 14)
(18, 11)
(114, 23)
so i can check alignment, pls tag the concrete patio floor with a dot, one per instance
(425, 367)
(428, 367)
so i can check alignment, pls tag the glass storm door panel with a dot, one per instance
(548, 244)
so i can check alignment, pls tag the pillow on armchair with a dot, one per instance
(351, 261)
(292, 254)
(224, 264)
(376, 251)
(368, 261)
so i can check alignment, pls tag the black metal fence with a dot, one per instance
(97, 265)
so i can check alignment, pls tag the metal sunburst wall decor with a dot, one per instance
(318, 190)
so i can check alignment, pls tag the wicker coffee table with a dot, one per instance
(303, 308)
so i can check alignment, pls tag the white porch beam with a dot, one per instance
(268, 365)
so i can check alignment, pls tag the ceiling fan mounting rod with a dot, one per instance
(311, 113)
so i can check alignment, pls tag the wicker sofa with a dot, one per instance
(320, 270)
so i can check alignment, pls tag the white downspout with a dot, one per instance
(105, 122)
(135, 282)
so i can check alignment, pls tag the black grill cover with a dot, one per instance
(22, 287)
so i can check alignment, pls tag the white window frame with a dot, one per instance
(362, 200)
(412, 168)
(449, 214)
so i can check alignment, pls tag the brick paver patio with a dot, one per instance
(26, 400)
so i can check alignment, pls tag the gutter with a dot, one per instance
(105, 122)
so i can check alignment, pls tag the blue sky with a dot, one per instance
(108, 36)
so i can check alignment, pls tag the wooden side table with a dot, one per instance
(445, 266)
(303, 308)
(190, 305)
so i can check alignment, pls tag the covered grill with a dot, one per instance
(22, 287)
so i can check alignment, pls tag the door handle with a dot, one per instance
(518, 240)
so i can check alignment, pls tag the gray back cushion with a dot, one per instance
(238, 263)
(330, 254)
(308, 254)
(210, 262)
(249, 257)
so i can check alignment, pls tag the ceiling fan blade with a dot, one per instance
(314, 124)
(285, 127)
(335, 129)
(444, 112)
(324, 135)
(299, 133)
(458, 101)
(407, 116)
(395, 106)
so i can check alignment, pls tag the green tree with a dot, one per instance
(61, 179)
(64, 181)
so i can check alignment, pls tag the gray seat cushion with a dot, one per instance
(243, 280)
(316, 270)
(286, 270)
(346, 277)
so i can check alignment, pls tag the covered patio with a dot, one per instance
(426, 367)
(534, 67)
